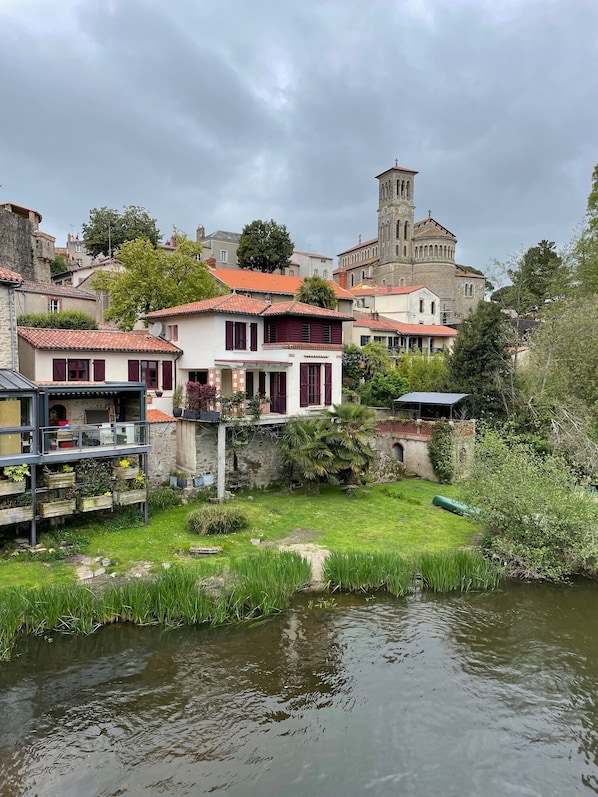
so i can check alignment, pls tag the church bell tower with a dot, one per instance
(396, 208)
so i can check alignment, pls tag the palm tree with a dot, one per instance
(306, 452)
(353, 429)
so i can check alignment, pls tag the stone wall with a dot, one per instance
(22, 250)
(8, 341)
(162, 457)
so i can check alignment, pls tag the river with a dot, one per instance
(484, 694)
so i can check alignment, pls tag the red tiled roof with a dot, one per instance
(385, 323)
(94, 340)
(6, 275)
(157, 416)
(300, 308)
(381, 290)
(232, 303)
(243, 279)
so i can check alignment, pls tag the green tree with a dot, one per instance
(353, 365)
(376, 359)
(422, 372)
(66, 319)
(382, 389)
(539, 276)
(585, 248)
(152, 279)
(306, 452)
(315, 290)
(264, 246)
(107, 229)
(58, 265)
(535, 519)
(480, 363)
(351, 435)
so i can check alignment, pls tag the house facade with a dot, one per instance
(399, 337)
(410, 305)
(37, 297)
(288, 351)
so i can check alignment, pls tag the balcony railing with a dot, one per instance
(118, 435)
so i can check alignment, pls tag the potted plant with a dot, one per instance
(177, 401)
(131, 492)
(191, 411)
(20, 513)
(207, 403)
(96, 485)
(55, 480)
(125, 469)
(14, 479)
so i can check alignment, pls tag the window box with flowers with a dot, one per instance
(125, 469)
(13, 479)
(131, 492)
(96, 485)
(57, 480)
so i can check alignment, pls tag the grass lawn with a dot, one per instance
(397, 517)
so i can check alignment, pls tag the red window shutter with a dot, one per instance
(133, 370)
(229, 336)
(253, 336)
(99, 370)
(262, 383)
(282, 394)
(166, 375)
(59, 370)
(303, 385)
(327, 384)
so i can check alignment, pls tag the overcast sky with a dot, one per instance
(219, 113)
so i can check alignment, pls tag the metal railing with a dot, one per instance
(115, 435)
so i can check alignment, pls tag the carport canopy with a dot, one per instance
(428, 405)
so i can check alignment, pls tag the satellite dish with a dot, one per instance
(156, 329)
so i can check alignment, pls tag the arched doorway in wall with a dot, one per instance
(398, 452)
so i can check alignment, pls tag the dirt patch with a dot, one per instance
(296, 537)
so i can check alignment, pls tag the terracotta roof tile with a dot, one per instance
(361, 245)
(243, 279)
(57, 290)
(300, 308)
(157, 416)
(232, 303)
(381, 290)
(6, 275)
(385, 323)
(94, 340)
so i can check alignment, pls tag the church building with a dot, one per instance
(408, 252)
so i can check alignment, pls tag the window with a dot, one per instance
(99, 370)
(223, 256)
(310, 387)
(79, 262)
(325, 274)
(77, 370)
(305, 333)
(315, 272)
(364, 339)
(267, 298)
(421, 305)
(378, 339)
(201, 377)
(78, 247)
(270, 332)
(53, 305)
(148, 373)
(327, 333)
(172, 330)
(236, 335)
(240, 337)
(291, 273)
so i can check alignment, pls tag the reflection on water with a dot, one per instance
(487, 694)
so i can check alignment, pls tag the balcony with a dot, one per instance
(94, 440)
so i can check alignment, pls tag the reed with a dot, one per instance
(361, 572)
(257, 586)
(462, 570)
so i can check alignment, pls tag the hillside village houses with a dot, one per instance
(111, 392)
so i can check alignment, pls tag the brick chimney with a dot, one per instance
(342, 278)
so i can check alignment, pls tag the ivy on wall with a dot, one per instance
(440, 451)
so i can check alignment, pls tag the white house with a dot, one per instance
(413, 304)
(289, 351)
(400, 337)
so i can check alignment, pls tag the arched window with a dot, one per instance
(425, 251)
(398, 452)
(397, 248)
(404, 251)
(403, 188)
(352, 280)
(362, 276)
(398, 187)
(406, 231)
(436, 250)
(398, 230)
(408, 188)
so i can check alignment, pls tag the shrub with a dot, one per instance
(164, 498)
(66, 319)
(440, 452)
(217, 519)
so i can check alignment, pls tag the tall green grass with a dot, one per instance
(257, 586)
(460, 570)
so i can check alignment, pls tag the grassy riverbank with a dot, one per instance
(387, 537)
(397, 518)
